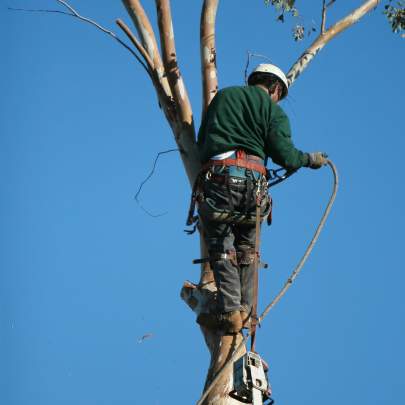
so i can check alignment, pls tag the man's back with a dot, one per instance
(246, 118)
(237, 118)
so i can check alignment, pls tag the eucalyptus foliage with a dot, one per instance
(395, 12)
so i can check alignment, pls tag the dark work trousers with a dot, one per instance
(234, 279)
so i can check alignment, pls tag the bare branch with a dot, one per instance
(148, 39)
(325, 7)
(324, 38)
(323, 23)
(208, 51)
(251, 55)
(170, 62)
(85, 19)
(178, 114)
(165, 100)
(34, 10)
(73, 13)
(136, 43)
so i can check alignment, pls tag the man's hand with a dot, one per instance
(317, 160)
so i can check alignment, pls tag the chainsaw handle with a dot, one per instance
(275, 178)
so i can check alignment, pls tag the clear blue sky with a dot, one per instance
(85, 273)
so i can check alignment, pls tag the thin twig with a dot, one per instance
(88, 20)
(346, 22)
(30, 10)
(323, 23)
(147, 179)
(250, 55)
(75, 14)
(325, 7)
(136, 43)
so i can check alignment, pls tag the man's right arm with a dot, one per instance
(280, 146)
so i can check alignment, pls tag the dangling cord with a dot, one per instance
(287, 285)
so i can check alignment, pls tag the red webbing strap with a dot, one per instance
(246, 164)
(254, 316)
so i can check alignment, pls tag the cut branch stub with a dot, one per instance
(221, 347)
(208, 52)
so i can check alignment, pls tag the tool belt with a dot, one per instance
(209, 172)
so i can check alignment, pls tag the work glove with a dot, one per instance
(317, 159)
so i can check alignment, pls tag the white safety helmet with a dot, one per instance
(274, 70)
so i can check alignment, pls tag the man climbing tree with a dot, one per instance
(243, 126)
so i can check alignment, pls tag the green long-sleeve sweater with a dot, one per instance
(246, 118)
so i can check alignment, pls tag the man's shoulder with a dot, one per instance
(277, 111)
(249, 94)
(232, 89)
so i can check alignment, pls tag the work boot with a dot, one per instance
(246, 320)
(231, 322)
(208, 320)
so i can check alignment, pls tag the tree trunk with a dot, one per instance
(174, 100)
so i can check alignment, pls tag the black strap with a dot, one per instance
(191, 218)
(249, 190)
(228, 187)
(254, 317)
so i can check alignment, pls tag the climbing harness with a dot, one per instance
(283, 290)
(209, 172)
(256, 190)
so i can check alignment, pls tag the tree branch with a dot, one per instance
(170, 62)
(325, 7)
(165, 99)
(136, 43)
(163, 92)
(182, 126)
(148, 39)
(323, 23)
(39, 10)
(324, 38)
(85, 19)
(73, 13)
(251, 55)
(208, 52)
